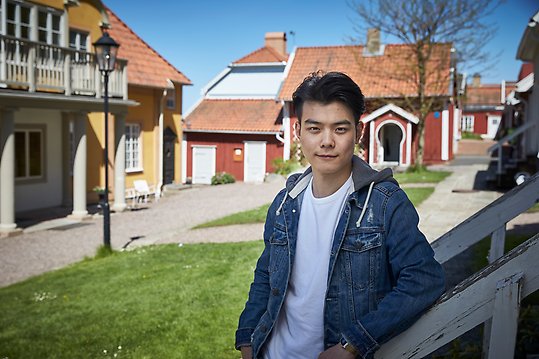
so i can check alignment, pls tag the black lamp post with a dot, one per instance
(105, 52)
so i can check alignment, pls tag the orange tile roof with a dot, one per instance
(483, 95)
(487, 94)
(377, 76)
(145, 66)
(264, 54)
(235, 115)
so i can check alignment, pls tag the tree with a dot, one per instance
(426, 25)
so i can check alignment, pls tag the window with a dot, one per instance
(49, 25)
(18, 20)
(171, 99)
(78, 40)
(132, 148)
(29, 149)
(466, 123)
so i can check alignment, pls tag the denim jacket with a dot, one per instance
(382, 273)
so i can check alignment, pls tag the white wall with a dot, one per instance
(47, 193)
(249, 82)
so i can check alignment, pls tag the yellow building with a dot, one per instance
(51, 109)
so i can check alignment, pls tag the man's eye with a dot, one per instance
(341, 129)
(313, 129)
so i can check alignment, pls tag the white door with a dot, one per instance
(254, 167)
(492, 126)
(203, 164)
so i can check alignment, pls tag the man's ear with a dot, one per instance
(297, 129)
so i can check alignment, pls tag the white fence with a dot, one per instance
(491, 296)
(34, 67)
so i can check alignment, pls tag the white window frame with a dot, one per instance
(49, 30)
(467, 123)
(79, 45)
(27, 130)
(133, 163)
(17, 21)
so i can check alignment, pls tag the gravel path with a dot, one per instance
(167, 221)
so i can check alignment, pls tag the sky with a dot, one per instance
(202, 37)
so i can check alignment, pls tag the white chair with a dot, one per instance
(142, 191)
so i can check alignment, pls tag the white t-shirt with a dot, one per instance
(299, 331)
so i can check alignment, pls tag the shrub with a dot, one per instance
(222, 178)
(471, 136)
(283, 167)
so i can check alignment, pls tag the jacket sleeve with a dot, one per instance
(260, 288)
(418, 279)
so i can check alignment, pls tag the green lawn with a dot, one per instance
(421, 176)
(155, 302)
(418, 195)
(534, 209)
(258, 215)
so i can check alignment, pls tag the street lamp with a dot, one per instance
(105, 52)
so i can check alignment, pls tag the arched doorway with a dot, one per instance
(390, 138)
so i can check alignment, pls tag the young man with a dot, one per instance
(344, 267)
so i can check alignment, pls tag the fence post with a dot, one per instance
(503, 334)
(497, 244)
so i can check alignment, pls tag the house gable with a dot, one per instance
(393, 108)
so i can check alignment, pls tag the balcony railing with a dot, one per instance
(33, 66)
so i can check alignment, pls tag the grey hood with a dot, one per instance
(362, 175)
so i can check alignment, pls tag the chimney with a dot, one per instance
(277, 41)
(373, 40)
(476, 80)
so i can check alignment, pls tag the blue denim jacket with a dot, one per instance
(382, 273)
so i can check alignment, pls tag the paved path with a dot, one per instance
(170, 220)
(167, 221)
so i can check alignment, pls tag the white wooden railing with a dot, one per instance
(35, 67)
(491, 296)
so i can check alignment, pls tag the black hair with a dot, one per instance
(327, 88)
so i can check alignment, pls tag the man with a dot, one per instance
(344, 267)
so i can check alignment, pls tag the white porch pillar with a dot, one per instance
(7, 173)
(286, 126)
(79, 166)
(119, 163)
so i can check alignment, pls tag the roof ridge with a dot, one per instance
(273, 52)
(146, 44)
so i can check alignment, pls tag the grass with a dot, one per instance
(155, 302)
(471, 136)
(533, 209)
(418, 195)
(423, 176)
(257, 215)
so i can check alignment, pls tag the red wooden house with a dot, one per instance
(237, 126)
(483, 107)
(390, 136)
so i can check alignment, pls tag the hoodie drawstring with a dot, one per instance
(281, 205)
(358, 223)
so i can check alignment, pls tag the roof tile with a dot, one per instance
(378, 76)
(264, 54)
(235, 115)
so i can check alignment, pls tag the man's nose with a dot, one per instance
(327, 139)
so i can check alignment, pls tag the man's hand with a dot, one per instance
(336, 352)
(247, 352)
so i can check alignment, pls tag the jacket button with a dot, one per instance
(275, 291)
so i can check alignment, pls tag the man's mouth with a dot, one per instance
(326, 156)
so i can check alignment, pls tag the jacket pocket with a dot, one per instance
(361, 251)
(278, 261)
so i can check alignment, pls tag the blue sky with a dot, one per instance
(201, 37)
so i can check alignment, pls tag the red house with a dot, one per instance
(391, 128)
(237, 127)
(483, 107)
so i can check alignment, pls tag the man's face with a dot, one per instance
(328, 135)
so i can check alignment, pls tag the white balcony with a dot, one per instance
(32, 66)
